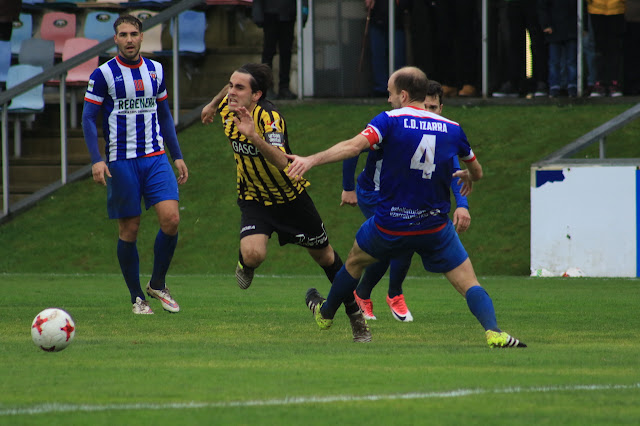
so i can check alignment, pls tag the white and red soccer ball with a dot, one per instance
(52, 330)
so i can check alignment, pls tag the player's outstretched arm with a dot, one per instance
(245, 124)
(340, 151)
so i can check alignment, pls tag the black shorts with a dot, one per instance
(296, 222)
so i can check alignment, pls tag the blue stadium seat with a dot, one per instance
(30, 101)
(98, 25)
(192, 26)
(22, 30)
(5, 60)
(24, 106)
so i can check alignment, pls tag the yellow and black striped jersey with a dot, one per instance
(258, 179)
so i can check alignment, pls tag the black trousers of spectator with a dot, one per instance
(278, 36)
(632, 59)
(608, 34)
(523, 16)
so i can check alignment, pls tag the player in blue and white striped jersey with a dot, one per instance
(413, 203)
(129, 91)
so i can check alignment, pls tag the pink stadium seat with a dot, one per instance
(79, 76)
(59, 27)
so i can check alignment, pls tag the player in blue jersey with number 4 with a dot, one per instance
(414, 201)
(129, 91)
(366, 197)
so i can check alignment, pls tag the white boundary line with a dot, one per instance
(66, 408)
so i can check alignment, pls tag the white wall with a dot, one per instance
(586, 220)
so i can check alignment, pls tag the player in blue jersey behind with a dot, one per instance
(414, 201)
(366, 197)
(129, 91)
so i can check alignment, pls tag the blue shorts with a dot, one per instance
(441, 251)
(149, 177)
(367, 201)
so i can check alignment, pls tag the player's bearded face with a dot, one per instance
(128, 39)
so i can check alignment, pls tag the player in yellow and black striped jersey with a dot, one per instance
(258, 179)
(269, 201)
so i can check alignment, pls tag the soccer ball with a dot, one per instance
(52, 330)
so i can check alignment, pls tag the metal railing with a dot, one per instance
(599, 135)
(59, 71)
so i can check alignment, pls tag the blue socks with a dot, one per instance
(130, 267)
(163, 250)
(399, 267)
(372, 276)
(481, 306)
(341, 291)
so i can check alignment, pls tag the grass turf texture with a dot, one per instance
(257, 357)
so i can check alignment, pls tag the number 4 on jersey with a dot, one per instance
(423, 157)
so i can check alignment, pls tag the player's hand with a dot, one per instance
(349, 198)
(461, 219)
(98, 170)
(464, 179)
(208, 112)
(298, 166)
(183, 172)
(244, 122)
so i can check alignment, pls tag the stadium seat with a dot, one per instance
(192, 26)
(59, 27)
(5, 60)
(152, 40)
(98, 25)
(78, 77)
(37, 51)
(24, 106)
(22, 30)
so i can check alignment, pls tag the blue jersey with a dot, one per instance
(129, 95)
(415, 177)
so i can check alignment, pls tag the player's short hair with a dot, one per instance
(261, 77)
(434, 89)
(412, 80)
(128, 19)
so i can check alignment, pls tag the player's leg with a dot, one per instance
(253, 251)
(127, 252)
(160, 190)
(328, 259)
(256, 226)
(399, 267)
(163, 250)
(371, 277)
(123, 203)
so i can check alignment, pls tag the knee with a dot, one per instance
(169, 224)
(253, 257)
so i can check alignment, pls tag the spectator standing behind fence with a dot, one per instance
(631, 43)
(379, 41)
(520, 16)
(460, 31)
(607, 20)
(559, 20)
(277, 18)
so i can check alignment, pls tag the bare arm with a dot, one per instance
(244, 122)
(209, 110)
(338, 152)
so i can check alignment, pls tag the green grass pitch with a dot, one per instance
(257, 357)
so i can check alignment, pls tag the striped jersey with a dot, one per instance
(415, 177)
(129, 96)
(258, 179)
